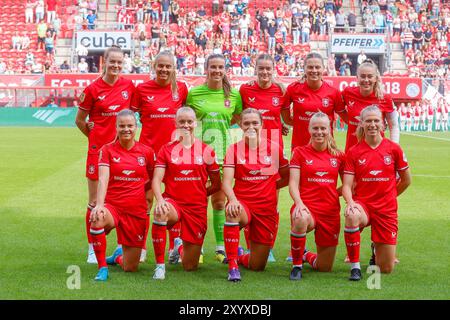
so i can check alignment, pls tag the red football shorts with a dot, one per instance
(262, 228)
(193, 223)
(131, 230)
(92, 166)
(384, 226)
(326, 228)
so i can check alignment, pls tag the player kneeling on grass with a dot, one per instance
(258, 167)
(314, 172)
(372, 164)
(125, 170)
(184, 166)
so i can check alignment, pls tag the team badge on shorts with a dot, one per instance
(333, 162)
(125, 95)
(141, 161)
(91, 169)
(227, 103)
(275, 101)
(325, 102)
(387, 160)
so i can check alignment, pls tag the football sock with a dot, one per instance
(174, 232)
(159, 240)
(352, 237)
(119, 260)
(247, 237)
(99, 241)
(311, 258)
(244, 260)
(88, 224)
(298, 241)
(218, 222)
(231, 235)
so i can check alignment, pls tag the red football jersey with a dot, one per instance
(306, 102)
(103, 102)
(187, 172)
(269, 102)
(157, 107)
(319, 172)
(129, 171)
(256, 174)
(375, 174)
(355, 103)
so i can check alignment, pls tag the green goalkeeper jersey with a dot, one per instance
(214, 114)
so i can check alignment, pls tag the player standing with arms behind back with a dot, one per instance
(157, 102)
(373, 164)
(216, 104)
(101, 101)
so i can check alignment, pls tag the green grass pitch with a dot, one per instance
(43, 196)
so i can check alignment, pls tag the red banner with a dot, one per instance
(398, 87)
(18, 80)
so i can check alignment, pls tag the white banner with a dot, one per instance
(101, 40)
(354, 43)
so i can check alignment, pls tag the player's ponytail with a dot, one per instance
(378, 86)
(331, 143)
(268, 57)
(226, 84)
(173, 74)
(360, 135)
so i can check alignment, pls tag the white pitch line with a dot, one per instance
(419, 135)
(430, 176)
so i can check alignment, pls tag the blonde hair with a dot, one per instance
(173, 74)
(252, 110)
(331, 143)
(113, 48)
(185, 109)
(268, 57)
(378, 87)
(360, 135)
(226, 84)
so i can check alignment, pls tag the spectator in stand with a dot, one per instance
(142, 44)
(91, 17)
(417, 40)
(57, 25)
(155, 11)
(331, 20)
(331, 65)
(263, 25)
(127, 64)
(37, 67)
(271, 30)
(215, 7)
(174, 11)
(94, 68)
(51, 10)
(41, 33)
(406, 39)
(64, 67)
(345, 66)
(52, 104)
(40, 10)
(368, 21)
(25, 41)
(93, 5)
(340, 22)
(361, 57)
(16, 41)
(83, 8)
(2, 66)
(147, 12)
(139, 11)
(351, 19)
(29, 59)
(83, 67)
(165, 7)
(29, 11)
(156, 32)
(295, 31)
(306, 29)
(49, 44)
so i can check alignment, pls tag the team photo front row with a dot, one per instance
(174, 171)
